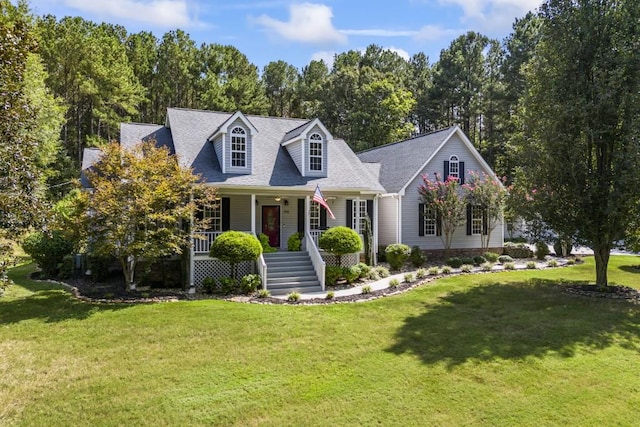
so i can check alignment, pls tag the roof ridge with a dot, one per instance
(406, 140)
(231, 113)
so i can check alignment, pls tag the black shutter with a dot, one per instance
(485, 223)
(370, 211)
(469, 220)
(446, 170)
(461, 172)
(323, 218)
(438, 224)
(301, 215)
(350, 213)
(421, 219)
(226, 213)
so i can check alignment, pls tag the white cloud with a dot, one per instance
(308, 23)
(493, 15)
(162, 13)
(325, 55)
(435, 32)
(401, 52)
(379, 33)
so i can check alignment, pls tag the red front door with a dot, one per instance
(271, 224)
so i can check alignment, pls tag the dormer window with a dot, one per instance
(315, 152)
(454, 167)
(238, 147)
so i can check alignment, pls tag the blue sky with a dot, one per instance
(298, 32)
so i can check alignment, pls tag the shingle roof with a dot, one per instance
(400, 161)
(90, 156)
(134, 133)
(272, 165)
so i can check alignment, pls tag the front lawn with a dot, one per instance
(483, 349)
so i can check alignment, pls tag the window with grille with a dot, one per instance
(314, 216)
(238, 147)
(476, 220)
(315, 152)
(429, 221)
(359, 215)
(213, 216)
(454, 167)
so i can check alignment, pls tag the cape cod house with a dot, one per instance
(266, 170)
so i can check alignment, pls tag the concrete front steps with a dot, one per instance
(290, 271)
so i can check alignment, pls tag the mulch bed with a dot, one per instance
(611, 292)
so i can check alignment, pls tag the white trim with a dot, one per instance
(304, 160)
(310, 126)
(224, 127)
(253, 214)
(223, 161)
(399, 229)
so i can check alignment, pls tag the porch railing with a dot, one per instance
(315, 236)
(316, 259)
(202, 241)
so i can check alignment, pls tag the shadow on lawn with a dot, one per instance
(514, 321)
(630, 268)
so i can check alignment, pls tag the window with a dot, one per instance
(238, 147)
(359, 215)
(454, 167)
(315, 152)
(429, 221)
(314, 216)
(214, 215)
(476, 220)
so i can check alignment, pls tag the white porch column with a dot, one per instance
(375, 229)
(192, 285)
(253, 213)
(399, 222)
(307, 204)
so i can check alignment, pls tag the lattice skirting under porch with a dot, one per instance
(346, 260)
(215, 268)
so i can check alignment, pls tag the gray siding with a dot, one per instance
(217, 146)
(410, 201)
(249, 158)
(387, 220)
(240, 211)
(295, 151)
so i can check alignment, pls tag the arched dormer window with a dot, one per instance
(238, 147)
(315, 152)
(454, 167)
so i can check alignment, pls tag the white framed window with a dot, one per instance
(359, 215)
(314, 216)
(315, 152)
(476, 220)
(238, 147)
(454, 167)
(430, 226)
(214, 216)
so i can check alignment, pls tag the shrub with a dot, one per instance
(467, 260)
(382, 272)
(491, 256)
(330, 295)
(408, 278)
(294, 243)
(397, 254)
(100, 267)
(571, 261)
(393, 283)
(66, 267)
(264, 293)
(373, 274)
(509, 266)
(542, 250)
(293, 296)
(417, 257)
(421, 273)
(209, 285)
(561, 245)
(264, 242)
(366, 289)
(332, 274)
(351, 274)
(517, 250)
(235, 247)
(250, 283)
(503, 259)
(454, 262)
(228, 285)
(486, 266)
(446, 270)
(552, 263)
(531, 265)
(48, 250)
(479, 260)
(382, 256)
(364, 269)
(466, 268)
(433, 271)
(340, 241)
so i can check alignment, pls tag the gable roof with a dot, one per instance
(90, 156)
(189, 131)
(401, 162)
(134, 133)
(301, 132)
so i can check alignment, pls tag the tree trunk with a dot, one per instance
(601, 253)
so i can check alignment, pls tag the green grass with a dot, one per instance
(490, 349)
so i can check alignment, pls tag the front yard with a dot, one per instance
(486, 349)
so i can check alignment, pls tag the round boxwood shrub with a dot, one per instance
(294, 243)
(479, 260)
(417, 258)
(48, 250)
(235, 247)
(542, 250)
(454, 262)
(397, 254)
(351, 274)
(340, 241)
(491, 256)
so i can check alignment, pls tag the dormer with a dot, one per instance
(307, 146)
(233, 144)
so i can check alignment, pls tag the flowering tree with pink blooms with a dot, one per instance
(444, 197)
(490, 195)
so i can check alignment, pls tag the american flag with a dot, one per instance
(319, 198)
